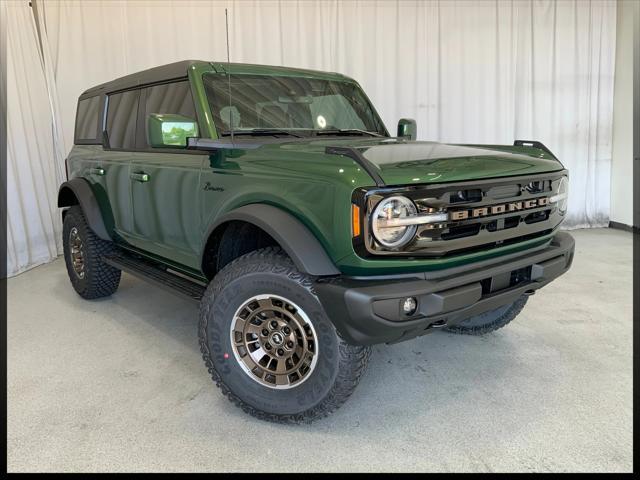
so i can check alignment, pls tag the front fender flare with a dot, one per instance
(296, 240)
(83, 192)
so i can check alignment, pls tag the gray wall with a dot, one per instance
(622, 155)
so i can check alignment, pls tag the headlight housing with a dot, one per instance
(561, 197)
(384, 221)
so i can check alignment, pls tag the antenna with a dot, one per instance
(226, 21)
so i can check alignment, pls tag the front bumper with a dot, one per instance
(367, 311)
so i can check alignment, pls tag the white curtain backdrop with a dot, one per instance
(34, 157)
(468, 71)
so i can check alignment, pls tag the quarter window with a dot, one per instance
(86, 130)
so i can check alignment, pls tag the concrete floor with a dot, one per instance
(119, 385)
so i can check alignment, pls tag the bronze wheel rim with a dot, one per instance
(76, 249)
(274, 341)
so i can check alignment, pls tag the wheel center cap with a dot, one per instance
(277, 339)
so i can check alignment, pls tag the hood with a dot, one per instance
(392, 162)
(400, 162)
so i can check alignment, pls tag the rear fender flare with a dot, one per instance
(80, 189)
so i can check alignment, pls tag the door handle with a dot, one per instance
(97, 171)
(140, 177)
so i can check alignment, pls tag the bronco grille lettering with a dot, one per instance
(498, 209)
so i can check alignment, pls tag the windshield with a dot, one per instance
(304, 106)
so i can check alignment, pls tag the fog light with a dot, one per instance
(409, 306)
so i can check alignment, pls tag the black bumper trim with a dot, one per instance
(367, 312)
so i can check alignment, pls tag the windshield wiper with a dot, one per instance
(262, 131)
(347, 131)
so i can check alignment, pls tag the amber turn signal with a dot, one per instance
(355, 220)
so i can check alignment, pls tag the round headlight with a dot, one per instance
(563, 195)
(389, 209)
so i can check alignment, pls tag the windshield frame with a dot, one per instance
(221, 132)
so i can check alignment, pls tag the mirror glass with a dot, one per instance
(176, 133)
(407, 128)
(166, 130)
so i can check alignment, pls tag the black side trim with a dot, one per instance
(355, 154)
(82, 190)
(534, 144)
(157, 274)
(300, 244)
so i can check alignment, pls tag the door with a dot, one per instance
(112, 165)
(164, 182)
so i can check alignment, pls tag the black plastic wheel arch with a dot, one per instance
(296, 240)
(82, 191)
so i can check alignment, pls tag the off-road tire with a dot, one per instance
(339, 365)
(489, 321)
(100, 279)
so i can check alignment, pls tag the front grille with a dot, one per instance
(481, 214)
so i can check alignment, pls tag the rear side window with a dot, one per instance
(172, 98)
(122, 112)
(87, 120)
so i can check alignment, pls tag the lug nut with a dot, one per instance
(290, 344)
(265, 332)
(286, 330)
(280, 352)
(274, 324)
(267, 346)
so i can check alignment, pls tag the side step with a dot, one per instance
(156, 274)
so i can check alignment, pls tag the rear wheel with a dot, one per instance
(269, 345)
(489, 321)
(83, 252)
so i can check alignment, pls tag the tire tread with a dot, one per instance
(102, 279)
(353, 359)
(492, 325)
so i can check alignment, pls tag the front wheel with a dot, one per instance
(489, 321)
(269, 345)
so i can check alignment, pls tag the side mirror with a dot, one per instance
(168, 130)
(407, 128)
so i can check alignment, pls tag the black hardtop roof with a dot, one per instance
(162, 73)
(176, 70)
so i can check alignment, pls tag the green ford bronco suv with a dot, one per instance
(276, 198)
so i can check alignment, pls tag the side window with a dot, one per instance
(172, 98)
(122, 113)
(87, 120)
